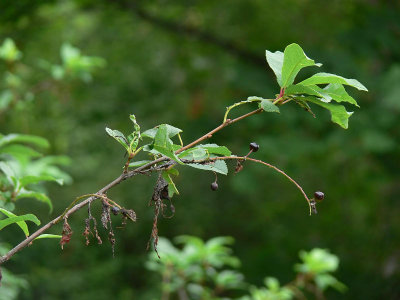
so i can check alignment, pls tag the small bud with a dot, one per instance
(254, 147)
(319, 195)
(214, 186)
(115, 210)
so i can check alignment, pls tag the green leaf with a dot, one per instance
(203, 151)
(275, 61)
(195, 153)
(338, 112)
(317, 261)
(334, 91)
(268, 106)
(302, 103)
(38, 196)
(172, 171)
(324, 281)
(19, 151)
(16, 219)
(163, 144)
(6, 97)
(325, 78)
(312, 90)
(9, 51)
(21, 224)
(172, 131)
(69, 53)
(135, 124)
(215, 149)
(48, 236)
(171, 185)
(138, 163)
(9, 172)
(24, 138)
(25, 180)
(293, 61)
(134, 137)
(119, 136)
(218, 166)
(339, 94)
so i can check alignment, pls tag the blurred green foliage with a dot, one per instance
(200, 270)
(182, 63)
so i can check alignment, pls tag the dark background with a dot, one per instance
(182, 63)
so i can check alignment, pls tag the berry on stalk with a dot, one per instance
(214, 186)
(319, 195)
(254, 147)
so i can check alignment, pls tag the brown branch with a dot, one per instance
(140, 170)
(68, 212)
(242, 158)
(210, 134)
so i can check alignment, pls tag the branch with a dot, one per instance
(241, 158)
(70, 211)
(125, 175)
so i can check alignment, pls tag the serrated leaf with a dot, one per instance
(339, 115)
(24, 138)
(21, 224)
(275, 61)
(138, 163)
(36, 179)
(325, 78)
(172, 131)
(38, 196)
(16, 219)
(218, 166)
(268, 106)
(48, 236)
(118, 136)
(293, 61)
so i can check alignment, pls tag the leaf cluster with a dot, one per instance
(321, 88)
(23, 171)
(202, 270)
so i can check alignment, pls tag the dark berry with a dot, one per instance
(254, 147)
(115, 210)
(319, 196)
(214, 186)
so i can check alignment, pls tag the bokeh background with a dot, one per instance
(182, 63)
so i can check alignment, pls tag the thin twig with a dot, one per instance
(240, 158)
(76, 207)
(140, 170)
(210, 134)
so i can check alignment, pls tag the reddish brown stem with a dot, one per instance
(266, 164)
(125, 175)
